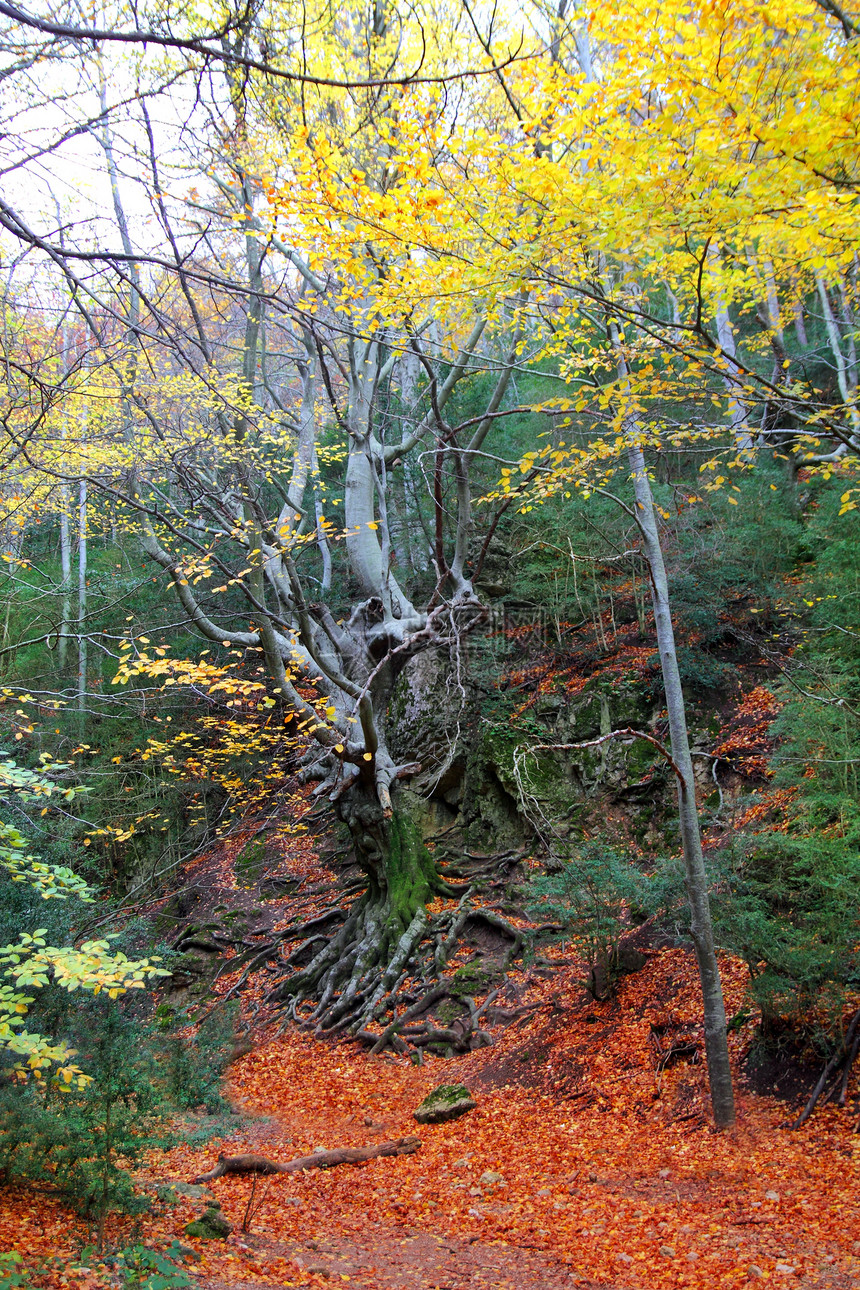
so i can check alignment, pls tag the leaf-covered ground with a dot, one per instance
(582, 1164)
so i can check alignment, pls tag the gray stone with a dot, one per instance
(187, 1252)
(447, 1102)
(624, 1258)
(755, 1272)
(785, 1270)
(667, 1251)
(172, 1191)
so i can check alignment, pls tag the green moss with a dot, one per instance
(472, 979)
(641, 758)
(251, 862)
(165, 1015)
(210, 1226)
(410, 872)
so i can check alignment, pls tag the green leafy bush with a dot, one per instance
(145, 1269)
(193, 1067)
(13, 1274)
(84, 1139)
(30, 962)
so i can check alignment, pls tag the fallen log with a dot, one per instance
(250, 1164)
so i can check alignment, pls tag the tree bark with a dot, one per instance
(66, 570)
(732, 380)
(82, 594)
(250, 1164)
(695, 874)
(696, 878)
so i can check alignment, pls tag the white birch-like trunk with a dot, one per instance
(66, 575)
(82, 594)
(738, 410)
(846, 370)
(322, 536)
(800, 326)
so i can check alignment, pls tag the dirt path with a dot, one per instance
(387, 1257)
(581, 1165)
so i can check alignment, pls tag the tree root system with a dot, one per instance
(832, 1084)
(357, 970)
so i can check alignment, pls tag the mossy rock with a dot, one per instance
(251, 862)
(192, 964)
(473, 979)
(447, 1102)
(210, 1226)
(448, 1012)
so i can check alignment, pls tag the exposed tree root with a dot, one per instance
(840, 1067)
(375, 968)
(363, 977)
(249, 1164)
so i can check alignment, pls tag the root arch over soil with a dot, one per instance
(375, 968)
(360, 977)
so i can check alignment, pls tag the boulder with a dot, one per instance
(210, 1226)
(447, 1102)
(174, 1191)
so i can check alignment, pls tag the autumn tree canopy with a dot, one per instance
(274, 280)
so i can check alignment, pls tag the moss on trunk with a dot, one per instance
(410, 877)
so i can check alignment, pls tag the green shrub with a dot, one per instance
(13, 1274)
(193, 1067)
(595, 896)
(788, 906)
(145, 1269)
(84, 1139)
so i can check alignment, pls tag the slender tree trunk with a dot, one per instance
(695, 874)
(696, 878)
(66, 568)
(732, 380)
(846, 374)
(800, 325)
(82, 595)
(322, 536)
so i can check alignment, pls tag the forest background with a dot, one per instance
(375, 384)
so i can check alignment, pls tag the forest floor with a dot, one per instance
(582, 1164)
